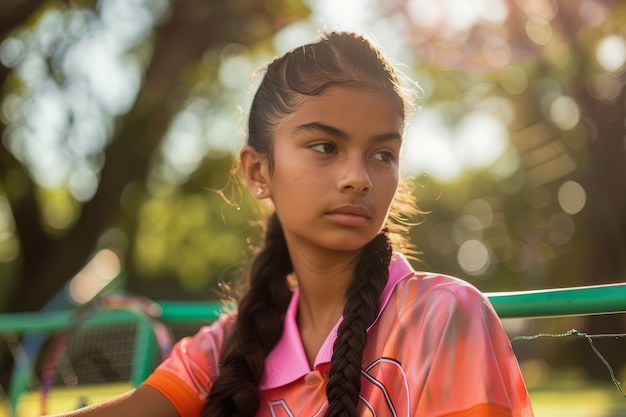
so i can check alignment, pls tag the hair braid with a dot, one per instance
(258, 327)
(360, 311)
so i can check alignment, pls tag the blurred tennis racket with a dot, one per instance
(59, 367)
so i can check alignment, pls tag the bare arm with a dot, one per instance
(143, 401)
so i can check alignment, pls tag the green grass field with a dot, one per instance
(600, 401)
(64, 399)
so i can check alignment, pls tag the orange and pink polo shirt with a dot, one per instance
(437, 348)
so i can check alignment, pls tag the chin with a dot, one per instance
(350, 245)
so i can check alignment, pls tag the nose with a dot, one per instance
(355, 176)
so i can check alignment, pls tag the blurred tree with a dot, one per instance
(551, 210)
(106, 147)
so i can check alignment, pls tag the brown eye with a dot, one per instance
(385, 156)
(324, 147)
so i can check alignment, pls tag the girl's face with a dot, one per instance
(336, 169)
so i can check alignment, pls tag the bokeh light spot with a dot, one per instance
(560, 229)
(481, 210)
(95, 276)
(605, 87)
(482, 138)
(466, 227)
(10, 52)
(83, 184)
(572, 197)
(9, 245)
(611, 53)
(564, 112)
(58, 212)
(473, 257)
(235, 71)
(539, 30)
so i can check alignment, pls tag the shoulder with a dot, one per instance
(441, 285)
(210, 337)
(187, 375)
(433, 286)
(441, 298)
(408, 289)
(419, 285)
(200, 351)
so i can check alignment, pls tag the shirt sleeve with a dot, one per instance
(187, 375)
(471, 369)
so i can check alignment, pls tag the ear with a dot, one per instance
(255, 169)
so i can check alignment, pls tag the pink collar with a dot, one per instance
(287, 361)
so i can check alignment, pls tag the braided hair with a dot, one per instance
(362, 305)
(258, 327)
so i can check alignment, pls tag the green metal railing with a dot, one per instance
(588, 300)
(598, 299)
(572, 301)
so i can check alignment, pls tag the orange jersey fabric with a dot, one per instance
(436, 349)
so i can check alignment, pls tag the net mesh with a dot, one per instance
(97, 355)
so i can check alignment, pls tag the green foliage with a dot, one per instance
(536, 216)
(119, 120)
(200, 237)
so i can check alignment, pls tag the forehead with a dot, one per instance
(353, 110)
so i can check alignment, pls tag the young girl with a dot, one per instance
(359, 333)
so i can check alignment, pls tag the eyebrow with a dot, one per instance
(340, 134)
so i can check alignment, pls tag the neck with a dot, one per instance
(322, 280)
(324, 277)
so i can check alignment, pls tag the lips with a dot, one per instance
(352, 210)
(350, 215)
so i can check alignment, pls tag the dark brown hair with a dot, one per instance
(343, 59)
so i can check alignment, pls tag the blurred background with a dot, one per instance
(119, 121)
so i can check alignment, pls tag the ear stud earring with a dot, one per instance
(259, 191)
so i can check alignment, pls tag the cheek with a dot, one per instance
(294, 182)
(388, 190)
(386, 180)
(292, 172)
